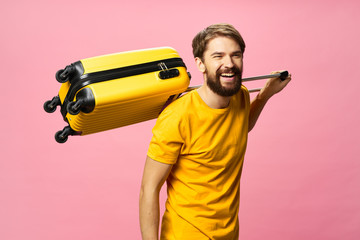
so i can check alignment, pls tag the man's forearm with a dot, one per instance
(149, 215)
(272, 86)
(154, 176)
(256, 107)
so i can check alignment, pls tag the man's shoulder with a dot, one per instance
(243, 91)
(180, 105)
(175, 115)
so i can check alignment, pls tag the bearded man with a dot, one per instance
(199, 143)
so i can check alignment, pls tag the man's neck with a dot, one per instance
(212, 99)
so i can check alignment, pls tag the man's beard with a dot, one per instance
(215, 85)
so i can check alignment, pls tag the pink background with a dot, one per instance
(301, 178)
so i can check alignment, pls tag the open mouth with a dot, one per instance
(227, 75)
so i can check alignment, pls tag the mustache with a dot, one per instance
(234, 70)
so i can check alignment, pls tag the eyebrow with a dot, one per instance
(217, 53)
(221, 53)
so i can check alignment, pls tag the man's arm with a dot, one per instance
(154, 176)
(273, 86)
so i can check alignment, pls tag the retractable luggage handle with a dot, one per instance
(282, 75)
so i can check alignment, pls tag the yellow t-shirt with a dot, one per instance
(206, 147)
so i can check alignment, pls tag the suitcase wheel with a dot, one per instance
(63, 75)
(74, 107)
(62, 135)
(50, 106)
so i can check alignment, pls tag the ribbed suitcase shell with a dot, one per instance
(127, 100)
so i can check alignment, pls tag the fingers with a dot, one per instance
(288, 78)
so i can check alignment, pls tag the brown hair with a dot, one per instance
(201, 39)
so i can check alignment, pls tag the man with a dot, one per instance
(199, 143)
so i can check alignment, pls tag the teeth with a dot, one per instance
(227, 74)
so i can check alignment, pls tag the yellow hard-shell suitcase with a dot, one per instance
(116, 90)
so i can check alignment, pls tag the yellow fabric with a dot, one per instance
(206, 147)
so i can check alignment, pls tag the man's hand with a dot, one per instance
(273, 86)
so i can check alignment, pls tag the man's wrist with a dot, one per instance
(263, 96)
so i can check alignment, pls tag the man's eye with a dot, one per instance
(217, 56)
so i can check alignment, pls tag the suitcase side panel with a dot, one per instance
(118, 115)
(127, 101)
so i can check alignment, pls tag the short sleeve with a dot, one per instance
(167, 140)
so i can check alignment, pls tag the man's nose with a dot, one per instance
(228, 62)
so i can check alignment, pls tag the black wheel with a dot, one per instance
(60, 78)
(61, 136)
(73, 108)
(49, 107)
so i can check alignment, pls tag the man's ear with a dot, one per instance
(200, 65)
